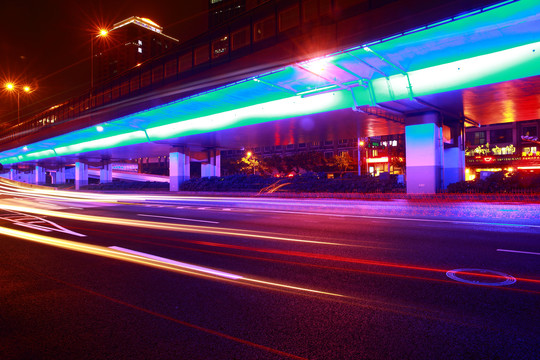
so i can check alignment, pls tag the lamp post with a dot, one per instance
(361, 143)
(102, 33)
(12, 87)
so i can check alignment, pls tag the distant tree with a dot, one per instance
(398, 161)
(275, 162)
(230, 166)
(251, 165)
(342, 162)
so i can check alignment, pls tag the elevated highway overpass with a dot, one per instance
(384, 69)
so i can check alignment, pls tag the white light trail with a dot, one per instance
(152, 261)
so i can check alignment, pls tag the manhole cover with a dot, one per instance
(481, 277)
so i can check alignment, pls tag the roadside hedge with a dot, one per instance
(500, 182)
(311, 182)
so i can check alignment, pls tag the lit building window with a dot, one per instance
(140, 50)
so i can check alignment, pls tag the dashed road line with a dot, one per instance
(178, 218)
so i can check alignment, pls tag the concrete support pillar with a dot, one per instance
(213, 166)
(454, 157)
(454, 166)
(424, 153)
(81, 175)
(31, 177)
(432, 164)
(13, 174)
(60, 176)
(39, 175)
(105, 173)
(179, 168)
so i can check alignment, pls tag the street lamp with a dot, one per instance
(12, 87)
(361, 144)
(102, 33)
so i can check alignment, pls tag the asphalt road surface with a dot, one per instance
(119, 276)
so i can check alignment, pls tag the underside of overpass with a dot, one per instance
(469, 70)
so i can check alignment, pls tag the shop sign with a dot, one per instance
(501, 159)
(377, 160)
(486, 150)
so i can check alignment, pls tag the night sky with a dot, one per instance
(47, 43)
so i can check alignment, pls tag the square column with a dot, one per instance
(13, 174)
(105, 173)
(454, 166)
(213, 166)
(454, 161)
(39, 177)
(424, 154)
(433, 161)
(81, 175)
(179, 169)
(60, 176)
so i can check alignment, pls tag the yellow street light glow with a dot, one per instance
(26, 89)
(10, 86)
(103, 32)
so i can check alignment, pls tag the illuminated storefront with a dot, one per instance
(502, 147)
(385, 154)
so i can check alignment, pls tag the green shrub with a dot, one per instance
(499, 182)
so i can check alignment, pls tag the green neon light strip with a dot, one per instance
(255, 114)
(511, 64)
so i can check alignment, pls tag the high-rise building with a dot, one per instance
(219, 11)
(129, 43)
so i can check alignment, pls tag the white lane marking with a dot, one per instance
(519, 252)
(226, 209)
(399, 218)
(178, 218)
(36, 223)
(180, 264)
